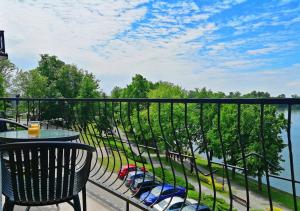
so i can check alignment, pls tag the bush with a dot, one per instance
(208, 180)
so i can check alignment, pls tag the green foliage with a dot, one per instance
(69, 88)
(6, 70)
(54, 78)
(208, 200)
(168, 126)
(168, 177)
(138, 88)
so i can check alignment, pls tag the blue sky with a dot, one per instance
(224, 45)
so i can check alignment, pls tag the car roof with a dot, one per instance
(173, 200)
(128, 166)
(135, 172)
(166, 186)
(139, 180)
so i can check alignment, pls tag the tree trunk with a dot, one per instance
(259, 183)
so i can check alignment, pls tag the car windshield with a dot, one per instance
(156, 191)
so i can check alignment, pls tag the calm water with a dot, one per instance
(295, 135)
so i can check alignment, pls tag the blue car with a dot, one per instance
(162, 192)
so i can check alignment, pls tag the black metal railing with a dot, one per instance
(217, 149)
(2, 45)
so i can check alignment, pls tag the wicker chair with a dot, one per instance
(45, 173)
(5, 122)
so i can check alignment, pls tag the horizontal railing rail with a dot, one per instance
(227, 154)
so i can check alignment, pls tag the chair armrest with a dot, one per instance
(13, 123)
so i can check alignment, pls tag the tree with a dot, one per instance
(6, 70)
(69, 79)
(281, 96)
(274, 124)
(31, 84)
(117, 92)
(138, 88)
(257, 94)
(141, 121)
(49, 67)
(89, 88)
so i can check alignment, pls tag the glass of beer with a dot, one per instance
(34, 128)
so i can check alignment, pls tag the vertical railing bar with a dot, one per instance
(39, 109)
(104, 144)
(122, 143)
(146, 145)
(82, 134)
(154, 140)
(33, 110)
(208, 156)
(224, 153)
(262, 138)
(127, 139)
(291, 156)
(92, 137)
(117, 148)
(108, 140)
(118, 151)
(28, 112)
(243, 155)
(17, 107)
(5, 108)
(166, 146)
(98, 142)
(96, 138)
(178, 146)
(193, 154)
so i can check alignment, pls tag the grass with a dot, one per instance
(208, 200)
(282, 198)
(109, 162)
(178, 167)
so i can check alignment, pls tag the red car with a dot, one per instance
(128, 168)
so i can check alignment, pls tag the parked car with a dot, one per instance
(162, 192)
(143, 185)
(128, 168)
(196, 207)
(132, 176)
(173, 203)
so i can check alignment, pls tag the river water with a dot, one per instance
(295, 137)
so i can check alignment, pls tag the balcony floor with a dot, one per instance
(97, 199)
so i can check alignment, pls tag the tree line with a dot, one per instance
(209, 128)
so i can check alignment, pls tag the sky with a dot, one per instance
(228, 45)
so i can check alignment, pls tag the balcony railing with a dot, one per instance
(217, 149)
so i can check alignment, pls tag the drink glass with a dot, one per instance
(34, 128)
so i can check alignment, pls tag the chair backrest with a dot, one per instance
(4, 122)
(42, 173)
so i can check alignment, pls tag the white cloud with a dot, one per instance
(262, 50)
(178, 42)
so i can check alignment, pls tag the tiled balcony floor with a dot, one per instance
(97, 200)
